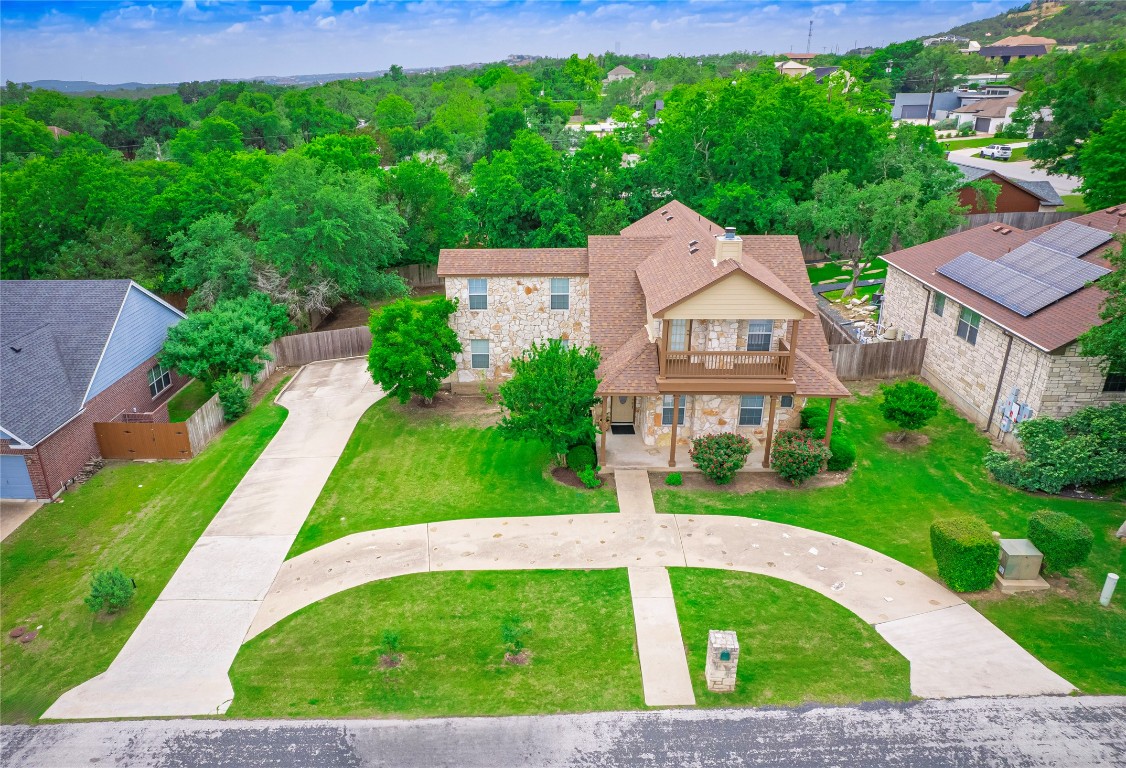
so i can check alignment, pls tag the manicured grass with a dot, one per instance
(1074, 203)
(831, 272)
(143, 517)
(187, 401)
(795, 646)
(406, 465)
(982, 141)
(325, 660)
(892, 498)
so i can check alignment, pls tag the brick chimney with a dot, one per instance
(728, 246)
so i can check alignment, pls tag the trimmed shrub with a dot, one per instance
(581, 457)
(1065, 541)
(234, 398)
(842, 453)
(966, 553)
(815, 418)
(110, 591)
(674, 478)
(589, 477)
(720, 456)
(798, 456)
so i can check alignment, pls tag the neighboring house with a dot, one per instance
(1016, 194)
(792, 68)
(801, 58)
(700, 331)
(945, 40)
(58, 132)
(987, 115)
(913, 106)
(820, 73)
(619, 73)
(1017, 47)
(1001, 310)
(75, 352)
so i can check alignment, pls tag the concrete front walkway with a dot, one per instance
(176, 661)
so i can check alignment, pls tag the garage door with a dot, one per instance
(982, 125)
(914, 112)
(15, 483)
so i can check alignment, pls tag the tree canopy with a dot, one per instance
(412, 347)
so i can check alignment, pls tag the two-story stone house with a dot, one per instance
(1001, 310)
(700, 330)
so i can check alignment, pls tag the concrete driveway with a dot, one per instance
(13, 513)
(176, 661)
(1065, 185)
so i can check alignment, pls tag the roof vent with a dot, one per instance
(691, 243)
(665, 212)
(1112, 210)
(693, 250)
(16, 349)
(1005, 231)
(668, 218)
(998, 228)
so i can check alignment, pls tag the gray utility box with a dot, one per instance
(1020, 560)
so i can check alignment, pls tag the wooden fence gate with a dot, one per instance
(119, 440)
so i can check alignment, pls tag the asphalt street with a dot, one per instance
(1076, 732)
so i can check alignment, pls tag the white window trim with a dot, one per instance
(769, 335)
(969, 325)
(761, 407)
(553, 294)
(680, 404)
(488, 355)
(485, 295)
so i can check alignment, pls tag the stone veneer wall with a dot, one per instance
(709, 414)
(518, 314)
(966, 374)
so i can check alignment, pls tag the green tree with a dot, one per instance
(432, 207)
(227, 340)
(213, 135)
(347, 153)
(412, 347)
(113, 251)
(1108, 340)
(20, 136)
(1102, 162)
(502, 127)
(213, 260)
(551, 395)
(908, 405)
(393, 111)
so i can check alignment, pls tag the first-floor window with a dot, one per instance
(666, 410)
(968, 322)
(479, 353)
(1115, 382)
(750, 410)
(787, 401)
(759, 334)
(478, 293)
(160, 379)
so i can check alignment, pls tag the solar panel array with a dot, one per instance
(1072, 239)
(1036, 274)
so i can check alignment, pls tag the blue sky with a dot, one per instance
(168, 41)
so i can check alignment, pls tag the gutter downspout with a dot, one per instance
(1000, 380)
(926, 311)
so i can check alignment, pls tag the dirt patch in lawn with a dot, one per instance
(747, 482)
(913, 442)
(476, 411)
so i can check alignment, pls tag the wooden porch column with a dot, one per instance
(829, 426)
(605, 427)
(769, 433)
(672, 445)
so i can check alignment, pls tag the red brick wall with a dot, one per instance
(61, 456)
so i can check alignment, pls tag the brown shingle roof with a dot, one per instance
(989, 107)
(1025, 40)
(1050, 328)
(617, 305)
(468, 262)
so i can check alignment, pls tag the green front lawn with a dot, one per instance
(1074, 203)
(795, 646)
(983, 141)
(143, 517)
(832, 272)
(406, 465)
(187, 401)
(324, 661)
(892, 498)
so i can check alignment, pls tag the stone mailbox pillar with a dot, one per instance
(722, 662)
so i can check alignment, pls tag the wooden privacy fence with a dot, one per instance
(321, 345)
(878, 360)
(420, 275)
(1018, 219)
(204, 424)
(121, 440)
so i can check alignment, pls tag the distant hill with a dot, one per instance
(137, 90)
(1068, 23)
(83, 86)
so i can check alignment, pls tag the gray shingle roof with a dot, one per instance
(1041, 189)
(52, 333)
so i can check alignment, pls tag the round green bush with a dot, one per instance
(110, 591)
(674, 478)
(815, 418)
(234, 398)
(581, 457)
(843, 453)
(798, 456)
(720, 456)
(1065, 541)
(966, 553)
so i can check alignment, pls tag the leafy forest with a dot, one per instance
(225, 189)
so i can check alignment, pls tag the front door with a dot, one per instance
(622, 409)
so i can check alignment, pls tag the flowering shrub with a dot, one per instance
(719, 457)
(798, 456)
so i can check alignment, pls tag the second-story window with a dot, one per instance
(560, 293)
(968, 322)
(759, 335)
(939, 303)
(478, 293)
(678, 335)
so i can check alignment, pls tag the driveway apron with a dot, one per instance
(176, 662)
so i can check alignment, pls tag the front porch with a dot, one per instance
(631, 452)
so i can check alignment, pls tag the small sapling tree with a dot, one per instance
(909, 405)
(412, 348)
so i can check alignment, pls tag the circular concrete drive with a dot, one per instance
(953, 650)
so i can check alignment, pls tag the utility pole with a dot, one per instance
(934, 87)
(809, 38)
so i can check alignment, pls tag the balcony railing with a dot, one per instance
(728, 365)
